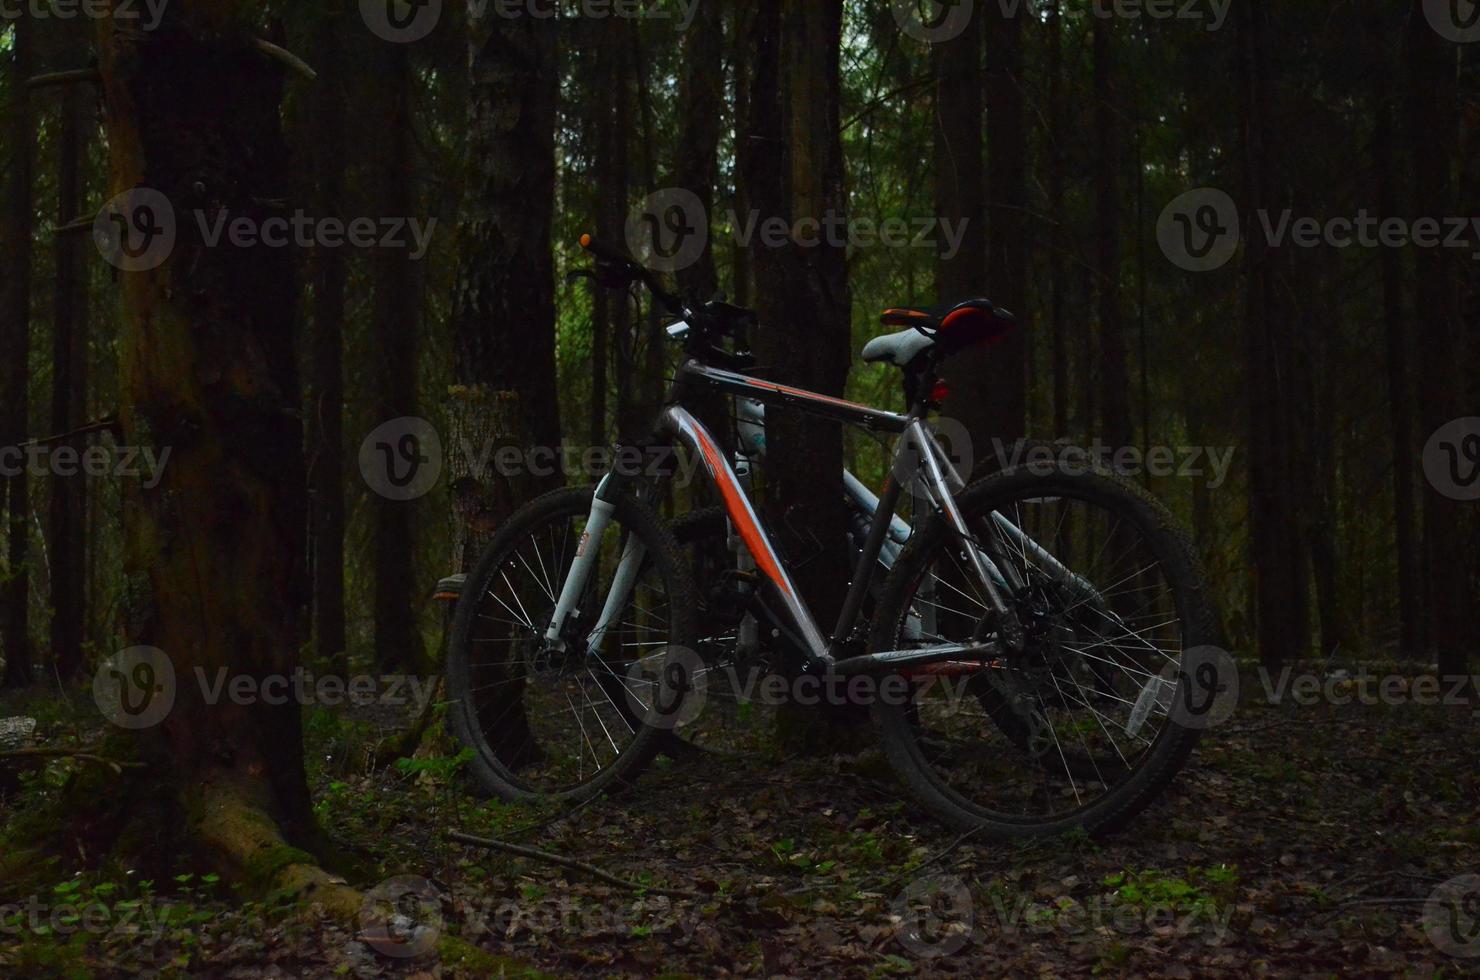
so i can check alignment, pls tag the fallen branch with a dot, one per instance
(71, 77)
(286, 57)
(536, 854)
(82, 755)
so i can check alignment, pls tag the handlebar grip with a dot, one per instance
(606, 252)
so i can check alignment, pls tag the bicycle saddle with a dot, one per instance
(965, 324)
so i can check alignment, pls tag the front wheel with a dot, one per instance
(1074, 727)
(569, 718)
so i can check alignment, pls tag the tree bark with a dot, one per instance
(395, 323)
(1004, 385)
(792, 166)
(66, 527)
(326, 396)
(1276, 544)
(503, 315)
(1400, 395)
(215, 551)
(1432, 116)
(1115, 414)
(15, 333)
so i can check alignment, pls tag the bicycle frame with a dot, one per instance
(819, 653)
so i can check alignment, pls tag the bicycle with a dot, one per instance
(1029, 656)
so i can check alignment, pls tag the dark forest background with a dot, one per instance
(1058, 134)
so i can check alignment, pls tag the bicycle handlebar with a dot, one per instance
(614, 256)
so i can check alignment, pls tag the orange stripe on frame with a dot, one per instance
(740, 514)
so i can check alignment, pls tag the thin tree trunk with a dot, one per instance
(1058, 241)
(395, 323)
(66, 526)
(326, 397)
(1431, 113)
(1400, 396)
(1115, 412)
(1004, 383)
(16, 336)
(611, 321)
(1275, 538)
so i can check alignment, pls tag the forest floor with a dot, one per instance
(1302, 839)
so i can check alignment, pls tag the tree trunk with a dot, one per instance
(1003, 384)
(960, 197)
(1431, 113)
(66, 527)
(1400, 395)
(612, 313)
(326, 396)
(503, 316)
(395, 323)
(1275, 540)
(15, 337)
(1058, 243)
(1115, 414)
(215, 551)
(793, 169)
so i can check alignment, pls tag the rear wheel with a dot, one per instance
(1076, 729)
(570, 719)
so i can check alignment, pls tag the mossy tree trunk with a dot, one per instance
(215, 551)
